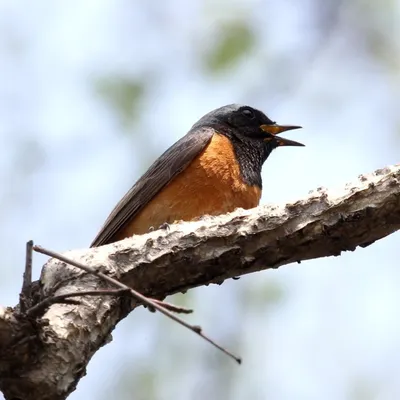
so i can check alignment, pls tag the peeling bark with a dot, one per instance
(44, 358)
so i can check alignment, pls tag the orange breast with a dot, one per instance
(211, 184)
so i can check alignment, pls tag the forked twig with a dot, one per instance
(143, 299)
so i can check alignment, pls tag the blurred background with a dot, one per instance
(92, 92)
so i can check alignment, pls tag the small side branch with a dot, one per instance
(25, 294)
(38, 309)
(41, 307)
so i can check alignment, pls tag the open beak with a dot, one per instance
(275, 129)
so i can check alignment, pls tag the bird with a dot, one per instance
(214, 169)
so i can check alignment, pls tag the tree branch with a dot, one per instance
(45, 358)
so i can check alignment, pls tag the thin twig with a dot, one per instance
(43, 305)
(40, 308)
(143, 299)
(27, 279)
(172, 307)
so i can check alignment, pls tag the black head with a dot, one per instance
(245, 123)
(252, 133)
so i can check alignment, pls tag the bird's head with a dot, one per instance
(244, 123)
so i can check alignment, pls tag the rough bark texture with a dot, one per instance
(44, 358)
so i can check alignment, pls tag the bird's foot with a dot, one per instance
(165, 226)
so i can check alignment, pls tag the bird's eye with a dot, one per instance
(248, 113)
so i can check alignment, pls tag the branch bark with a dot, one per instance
(46, 357)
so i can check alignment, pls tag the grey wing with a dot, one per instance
(161, 172)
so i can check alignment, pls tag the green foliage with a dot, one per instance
(235, 41)
(125, 95)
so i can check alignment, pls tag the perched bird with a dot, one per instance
(214, 169)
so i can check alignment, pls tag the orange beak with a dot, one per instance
(275, 129)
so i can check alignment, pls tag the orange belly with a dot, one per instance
(212, 184)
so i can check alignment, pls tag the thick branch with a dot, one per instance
(181, 257)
